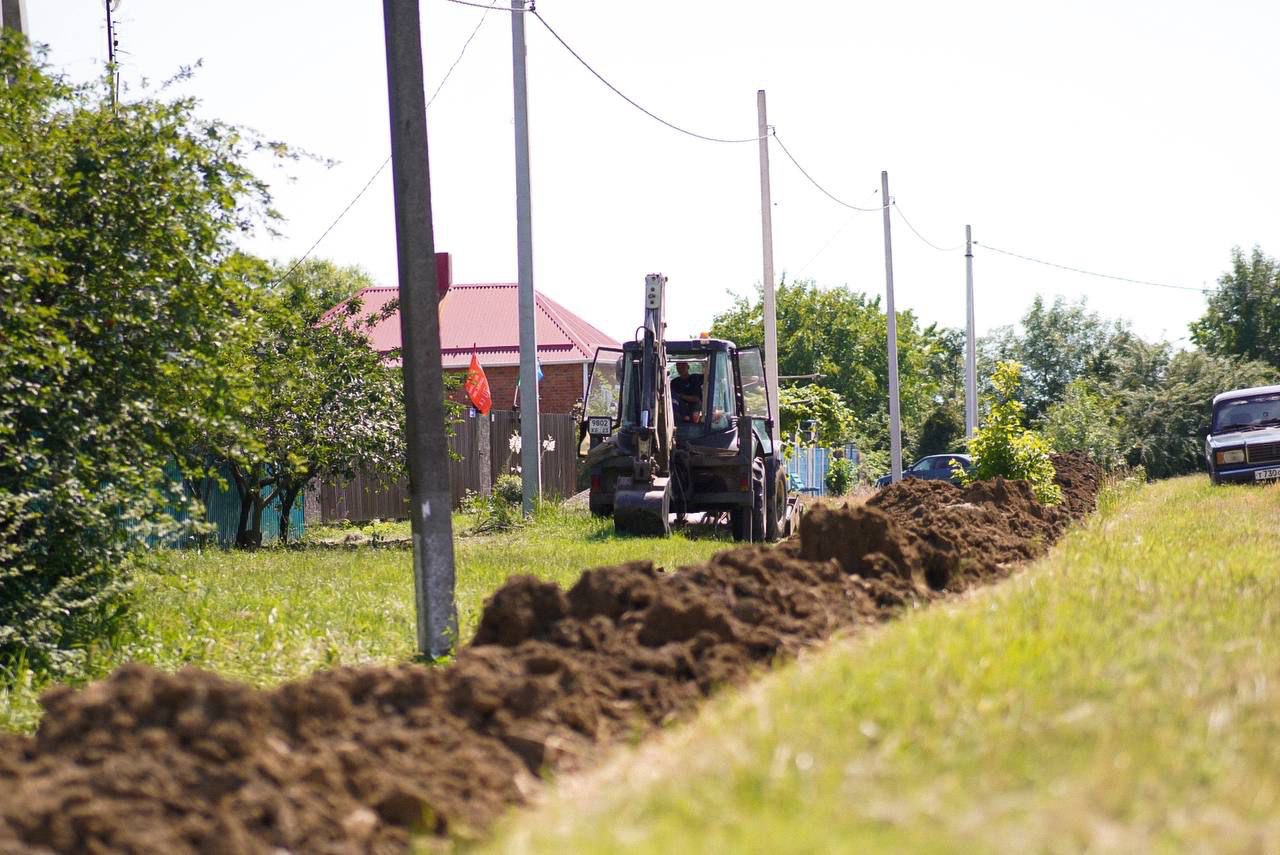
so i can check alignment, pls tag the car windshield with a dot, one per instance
(1247, 413)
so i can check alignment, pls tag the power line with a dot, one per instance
(488, 6)
(619, 93)
(379, 170)
(1091, 272)
(814, 181)
(916, 232)
(825, 246)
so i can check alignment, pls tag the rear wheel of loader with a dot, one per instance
(776, 513)
(749, 523)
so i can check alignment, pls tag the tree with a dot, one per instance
(943, 429)
(323, 283)
(811, 402)
(1085, 420)
(116, 230)
(842, 335)
(1057, 344)
(1004, 447)
(1243, 318)
(1164, 423)
(326, 404)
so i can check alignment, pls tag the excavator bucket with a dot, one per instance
(644, 509)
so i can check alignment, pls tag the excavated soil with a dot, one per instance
(357, 759)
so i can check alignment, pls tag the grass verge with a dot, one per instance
(1123, 694)
(277, 614)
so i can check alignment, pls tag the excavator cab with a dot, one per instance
(682, 427)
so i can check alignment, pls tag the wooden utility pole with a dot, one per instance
(430, 501)
(530, 434)
(112, 44)
(895, 416)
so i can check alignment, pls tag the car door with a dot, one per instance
(601, 406)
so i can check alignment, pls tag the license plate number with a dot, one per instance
(603, 426)
(1266, 474)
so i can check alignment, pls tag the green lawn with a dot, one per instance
(1123, 695)
(277, 614)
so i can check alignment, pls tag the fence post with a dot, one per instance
(484, 453)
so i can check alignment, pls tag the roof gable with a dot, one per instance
(485, 317)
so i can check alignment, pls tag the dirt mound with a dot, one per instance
(355, 759)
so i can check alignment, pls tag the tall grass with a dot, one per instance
(1121, 695)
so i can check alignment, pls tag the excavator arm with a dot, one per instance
(643, 505)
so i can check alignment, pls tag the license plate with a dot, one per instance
(603, 426)
(1266, 474)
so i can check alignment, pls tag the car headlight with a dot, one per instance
(1235, 455)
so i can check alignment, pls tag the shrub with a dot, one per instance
(508, 489)
(839, 478)
(117, 233)
(1085, 421)
(1004, 446)
(495, 514)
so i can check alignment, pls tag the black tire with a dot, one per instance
(776, 500)
(758, 531)
(748, 523)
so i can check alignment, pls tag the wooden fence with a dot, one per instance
(368, 497)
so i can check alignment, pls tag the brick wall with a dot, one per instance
(560, 389)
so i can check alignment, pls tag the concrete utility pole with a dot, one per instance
(111, 56)
(895, 417)
(770, 303)
(970, 347)
(14, 15)
(530, 434)
(430, 501)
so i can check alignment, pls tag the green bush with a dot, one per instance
(117, 233)
(1085, 421)
(495, 514)
(839, 478)
(871, 465)
(1004, 447)
(508, 489)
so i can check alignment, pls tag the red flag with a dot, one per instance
(477, 387)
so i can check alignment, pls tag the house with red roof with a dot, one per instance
(485, 318)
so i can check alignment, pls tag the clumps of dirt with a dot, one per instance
(355, 760)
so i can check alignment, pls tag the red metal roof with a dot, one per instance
(486, 316)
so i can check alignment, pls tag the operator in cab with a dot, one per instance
(686, 390)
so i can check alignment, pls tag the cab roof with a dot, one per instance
(1252, 392)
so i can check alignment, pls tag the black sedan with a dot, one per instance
(935, 467)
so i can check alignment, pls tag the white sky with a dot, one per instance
(1132, 137)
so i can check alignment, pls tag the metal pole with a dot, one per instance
(770, 303)
(428, 449)
(895, 417)
(971, 346)
(14, 15)
(530, 442)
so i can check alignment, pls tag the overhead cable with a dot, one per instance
(815, 183)
(916, 231)
(1091, 272)
(620, 94)
(488, 6)
(379, 170)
